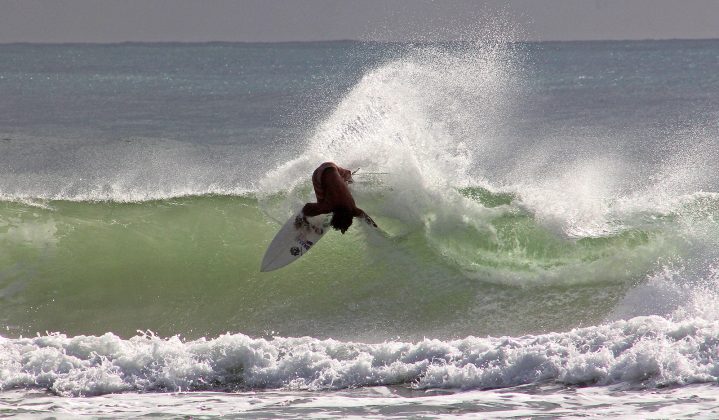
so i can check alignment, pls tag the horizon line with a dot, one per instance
(347, 40)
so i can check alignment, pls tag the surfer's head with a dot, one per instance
(341, 219)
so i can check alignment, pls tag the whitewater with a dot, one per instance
(551, 213)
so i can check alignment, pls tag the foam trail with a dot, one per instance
(418, 117)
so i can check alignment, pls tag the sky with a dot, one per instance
(104, 21)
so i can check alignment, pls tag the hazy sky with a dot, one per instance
(302, 20)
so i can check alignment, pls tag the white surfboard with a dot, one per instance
(295, 238)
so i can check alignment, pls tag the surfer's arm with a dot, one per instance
(314, 209)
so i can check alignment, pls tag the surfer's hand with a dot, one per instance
(360, 214)
(346, 174)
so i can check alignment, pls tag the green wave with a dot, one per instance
(190, 266)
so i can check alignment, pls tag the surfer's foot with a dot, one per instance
(299, 221)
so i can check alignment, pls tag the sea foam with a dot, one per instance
(642, 352)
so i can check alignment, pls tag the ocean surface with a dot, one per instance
(550, 215)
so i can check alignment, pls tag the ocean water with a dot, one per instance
(550, 215)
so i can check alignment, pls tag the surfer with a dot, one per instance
(333, 196)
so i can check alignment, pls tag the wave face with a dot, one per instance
(190, 265)
(514, 203)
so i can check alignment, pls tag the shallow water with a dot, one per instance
(378, 402)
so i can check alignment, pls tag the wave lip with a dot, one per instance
(643, 352)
